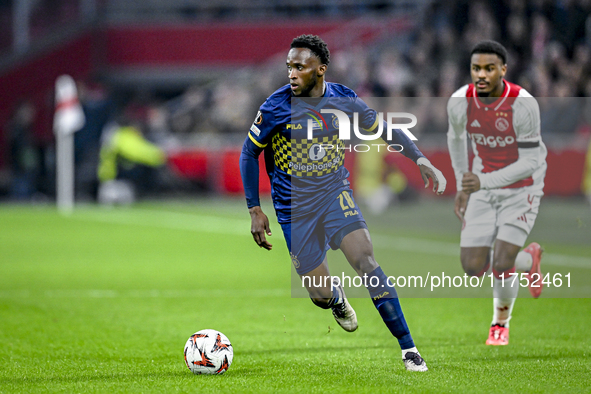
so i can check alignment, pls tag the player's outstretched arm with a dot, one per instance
(429, 171)
(259, 227)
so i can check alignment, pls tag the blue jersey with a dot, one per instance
(304, 171)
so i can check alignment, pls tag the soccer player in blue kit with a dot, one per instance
(310, 191)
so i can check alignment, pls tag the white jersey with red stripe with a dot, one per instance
(505, 137)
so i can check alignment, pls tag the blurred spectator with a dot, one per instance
(548, 56)
(98, 107)
(127, 163)
(157, 126)
(548, 53)
(24, 158)
(393, 73)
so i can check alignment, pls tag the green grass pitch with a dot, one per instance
(104, 300)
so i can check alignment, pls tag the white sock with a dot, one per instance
(412, 350)
(523, 261)
(504, 298)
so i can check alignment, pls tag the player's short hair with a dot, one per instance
(490, 46)
(314, 44)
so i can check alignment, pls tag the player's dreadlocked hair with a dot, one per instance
(315, 44)
(489, 46)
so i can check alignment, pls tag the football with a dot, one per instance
(208, 352)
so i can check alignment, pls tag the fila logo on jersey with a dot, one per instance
(491, 140)
(475, 123)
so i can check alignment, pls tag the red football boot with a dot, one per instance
(498, 336)
(535, 282)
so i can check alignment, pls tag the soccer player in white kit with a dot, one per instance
(498, 200)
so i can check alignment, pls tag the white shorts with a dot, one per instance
(505, 214)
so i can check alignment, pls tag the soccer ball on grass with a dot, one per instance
(208, 352)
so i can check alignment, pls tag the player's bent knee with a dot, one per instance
(475, 261)
(504, 260)
(503, 265)
(474, 267)
(474, 272)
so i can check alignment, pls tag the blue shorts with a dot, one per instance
(309, 237)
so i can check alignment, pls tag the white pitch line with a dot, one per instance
(222, 225)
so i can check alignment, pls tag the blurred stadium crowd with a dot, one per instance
(549, 43)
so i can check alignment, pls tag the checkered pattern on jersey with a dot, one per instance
(293, 156)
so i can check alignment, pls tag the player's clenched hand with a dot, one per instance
(460, 204)
(470, 182)
(259, 227)
(428, 171)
